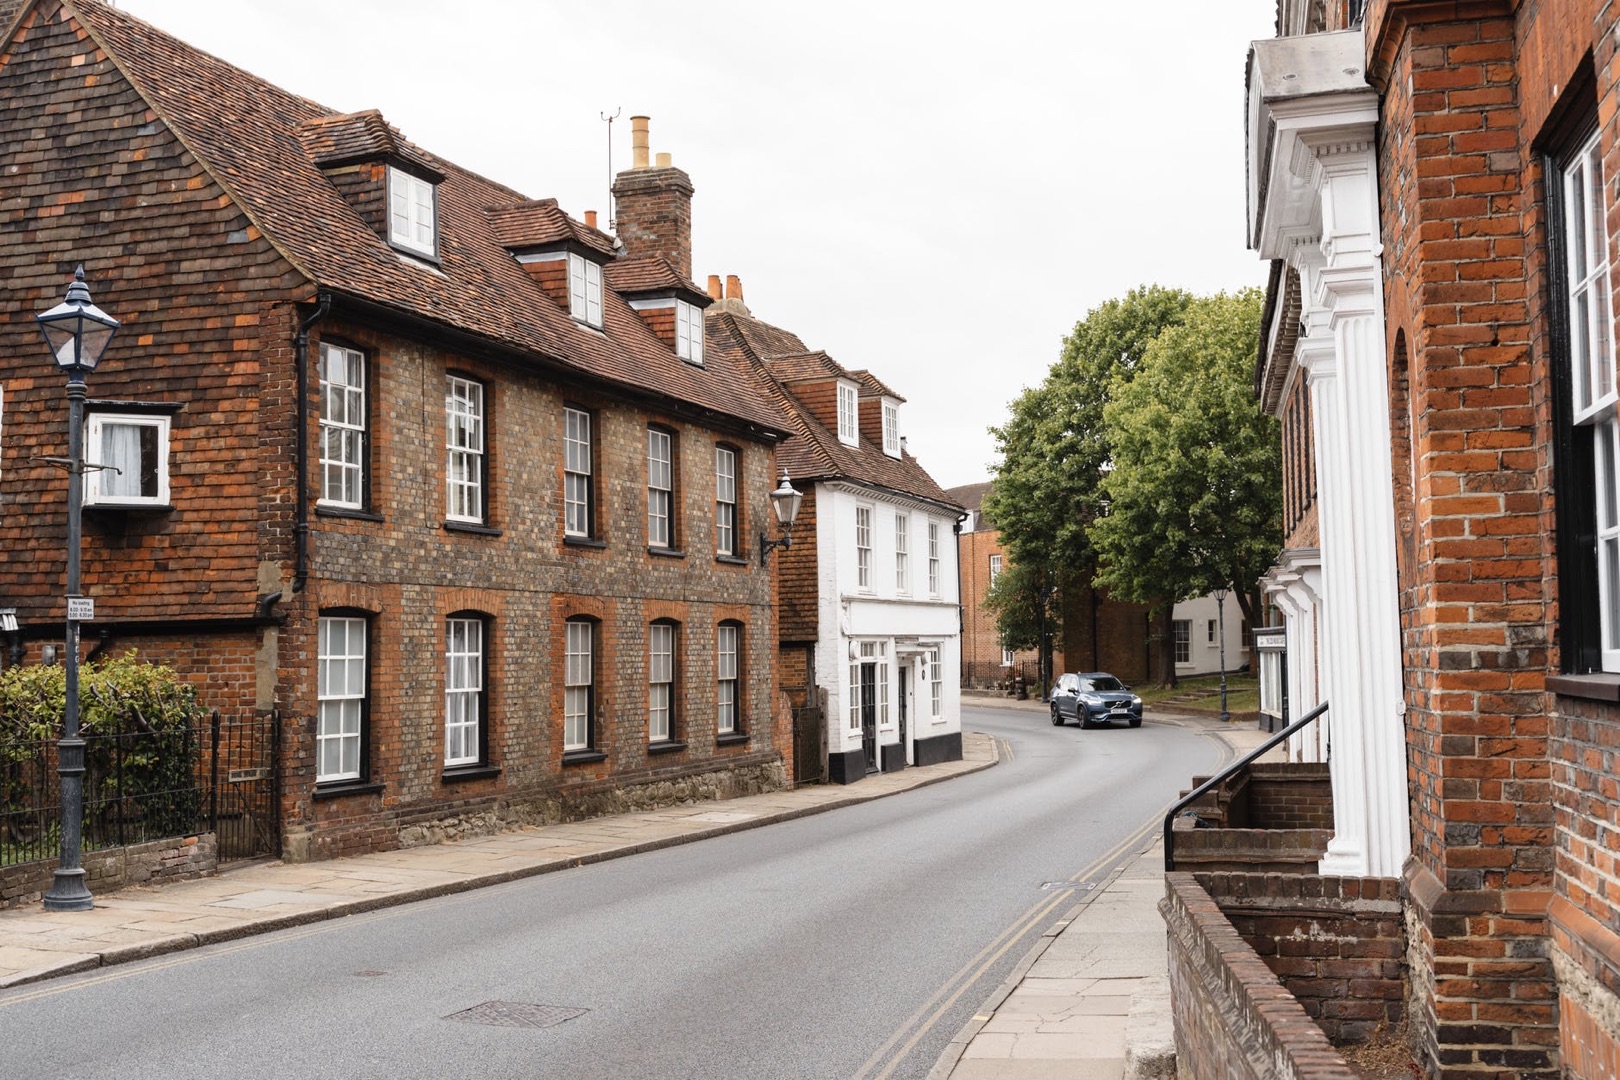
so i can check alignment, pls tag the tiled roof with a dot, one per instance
(970, 496)
(813, 452)
(249, 134)
(874, 386)
(361, 136)
(653, 274)
(535, 223)
(803, 367)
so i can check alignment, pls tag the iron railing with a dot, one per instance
(1226, 774)
(143, 785)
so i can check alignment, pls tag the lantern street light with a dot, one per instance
(78, 333)
(785, 502)
(1220, 620)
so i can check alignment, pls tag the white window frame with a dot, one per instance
(412, 213)
(933, 558)
(660, 488)
(579, 682)
(995, 568)
(344, 424)
(1007, 657)
(661, 637)
(689, 332)
(341, 675)
(578, 469)
(464, 449)
(902, 553)
(935, 675)
(463, 690)
(725, 501)
(1591, 346)
(585, 289)
(849, 414)
(891, 427)
(728, 643)
(1209, 633)
(863, 547)
(105, 486)
(876, 653)
(1181, 632)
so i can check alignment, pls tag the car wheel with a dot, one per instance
(1057, 717)
(1136, 721)
(1086, 723)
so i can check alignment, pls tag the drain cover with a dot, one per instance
(369, 974)
(516, 1014)
(1048, 886)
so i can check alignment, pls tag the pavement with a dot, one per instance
(1091, 1001)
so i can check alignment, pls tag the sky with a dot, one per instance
(936, 192)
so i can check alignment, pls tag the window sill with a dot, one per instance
(430, 259)
(338, 789)
(584, 542)
(583, 757)
(731, 560)
(1598, 686)
(666, 553)
(456, 773)
(128, 508)
(735, 738)
(471, 527)
(669, 746)
(347, 512)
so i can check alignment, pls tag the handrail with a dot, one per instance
(1227, 774)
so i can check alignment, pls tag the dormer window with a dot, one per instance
(130, 455)
(585, 290)
(689, 332)
(412, 213)
(891, 428)
(849, 430)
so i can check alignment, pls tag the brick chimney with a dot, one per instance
(654, 203)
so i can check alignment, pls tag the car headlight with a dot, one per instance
(1135, 700)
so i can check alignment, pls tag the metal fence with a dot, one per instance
(142, 785)
(993, 675)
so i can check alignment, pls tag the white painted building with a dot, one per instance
(1196, 626)
(869, 594)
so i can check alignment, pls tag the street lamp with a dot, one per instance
(1220, 621)
(78, 333)
(785, 502)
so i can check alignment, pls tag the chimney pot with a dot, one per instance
(590, 218)
(664, 161)
(714, 287)
(638, 142)
(733, 287)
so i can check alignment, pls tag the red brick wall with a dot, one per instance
(654, 215)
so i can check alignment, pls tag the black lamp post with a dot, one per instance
(1220, 628)
(78, 333)
(785, 502)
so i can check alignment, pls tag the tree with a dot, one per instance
(1195, 491)
(1054, 449)
(1025, 602)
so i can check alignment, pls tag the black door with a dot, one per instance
(905, 686)
(868, 692)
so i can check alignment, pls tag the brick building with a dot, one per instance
(870, 616)
(1436, 186)
(985, 663)
(440, 476)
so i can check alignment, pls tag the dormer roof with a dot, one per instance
(345, 138)
(640, 277)
(534, 224)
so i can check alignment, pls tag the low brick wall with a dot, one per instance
(1292, 795)
(1337, 944)
(116, 868)
(1233, 1019)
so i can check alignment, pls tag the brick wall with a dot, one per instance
(1100, 634)
(1337, 944)
(1232, 1017)
(1289, 796)
(654, 215)
(24, 884)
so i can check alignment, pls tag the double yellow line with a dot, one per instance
(932, 1011)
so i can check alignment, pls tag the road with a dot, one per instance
(851, 944)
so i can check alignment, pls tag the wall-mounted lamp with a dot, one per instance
(785, 501)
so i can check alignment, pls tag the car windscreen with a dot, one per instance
(1107, 682)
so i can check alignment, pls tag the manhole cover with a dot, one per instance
(369, 974)
(1048, 886)
(516, 1014)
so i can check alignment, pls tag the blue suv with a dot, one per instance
(1094, 698)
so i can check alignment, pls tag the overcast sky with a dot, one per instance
(933, 191)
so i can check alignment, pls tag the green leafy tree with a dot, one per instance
(1024, 601)
(1195, 488)
(1054, 447)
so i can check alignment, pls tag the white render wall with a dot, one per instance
(905, 623)
(1204, 655)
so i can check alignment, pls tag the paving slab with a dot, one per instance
(151, 920)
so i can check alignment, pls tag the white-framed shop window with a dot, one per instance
(130, 455)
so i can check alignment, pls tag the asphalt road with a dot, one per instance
(851, 944)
